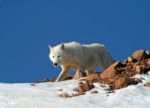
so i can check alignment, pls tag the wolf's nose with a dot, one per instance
(55, 64)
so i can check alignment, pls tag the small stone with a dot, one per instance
(65, 95)
(33, 84)
(112, 91)
(147, 84)
(134, 81)
(85, 87)
(94, 92)
(60, 90)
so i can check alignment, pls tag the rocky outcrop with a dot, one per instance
(120, 75)
(117, 76)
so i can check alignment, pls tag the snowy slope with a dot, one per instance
(47, 95)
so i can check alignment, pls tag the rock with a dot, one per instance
(126, 81)
(134, 81)
(111, 70)
(65, 95)
(148, 53)
(85, 86)
(147, 84)
(79, 75)
(33, 84)
(129, 59)
(121, 83)
(138, 69)
(139, 54)
(93, 77)
(116, 76)
(94, 92)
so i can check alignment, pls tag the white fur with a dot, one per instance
(82, 58)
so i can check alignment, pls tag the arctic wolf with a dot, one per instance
(82, 58)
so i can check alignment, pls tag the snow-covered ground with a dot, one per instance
(47, 95)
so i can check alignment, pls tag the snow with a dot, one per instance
(47, 95)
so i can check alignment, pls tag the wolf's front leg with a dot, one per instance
(63, 74)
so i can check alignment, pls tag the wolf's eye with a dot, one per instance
(53, 56)
(58, 56)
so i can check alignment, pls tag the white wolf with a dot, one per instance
(82, 58)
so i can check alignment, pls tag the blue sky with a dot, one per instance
(28, 26)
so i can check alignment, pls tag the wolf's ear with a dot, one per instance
(50, 47)
(62, 46)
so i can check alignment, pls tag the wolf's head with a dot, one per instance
(57, 54)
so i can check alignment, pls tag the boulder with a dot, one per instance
(139, 54)
(111, 70)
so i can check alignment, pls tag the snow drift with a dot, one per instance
(47, 95)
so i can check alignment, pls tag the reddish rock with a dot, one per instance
(111, 70)
(125, 81)
(121, 83)
(139, 54)
(147, 84)
(79, 75)
(85, 86)
(116, 76)
(93, 77)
